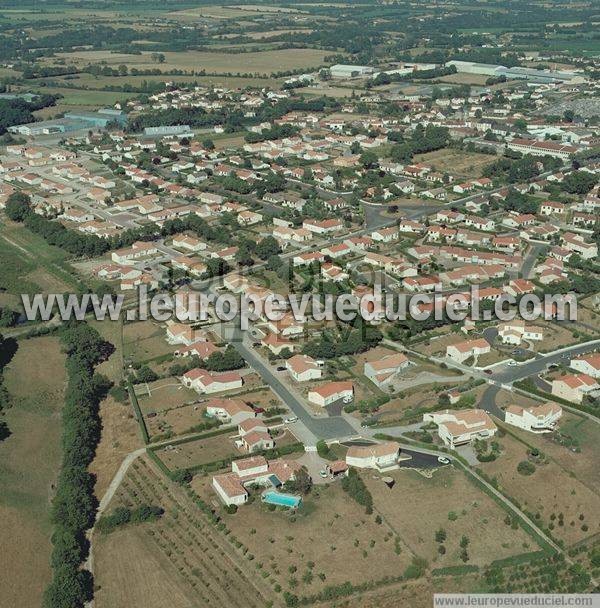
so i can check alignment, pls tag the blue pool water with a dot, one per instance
(283, 500)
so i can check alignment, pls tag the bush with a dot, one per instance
(526, 468)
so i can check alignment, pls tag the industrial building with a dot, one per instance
(72, 121)
(341, 70)
(515, 73)
(174, 130)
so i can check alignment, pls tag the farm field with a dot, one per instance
(415, 499)
(29, 462)
(549, 491)
(261, 62)
(331, 531)
(191, 563)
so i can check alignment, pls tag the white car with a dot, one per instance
(323, 473)
(512, 363)
(443, 460)
(291, 419)
(347, 399)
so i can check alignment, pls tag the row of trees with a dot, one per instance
(74, 504)
(7, 349)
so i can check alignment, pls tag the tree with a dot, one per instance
(268, 247)
(145, 374)
(18, 206)
(579, 182)
(368, 159)
(301, 483)
(526, 468)
(440, 535)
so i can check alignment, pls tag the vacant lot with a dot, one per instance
(164, 394)
(330, 530)
(29, 461)
(188, 561)
(144, 341)
(416, 507)
(548, 492)
(264, 62)
(575, 446)
(456, 162)
(30, 265)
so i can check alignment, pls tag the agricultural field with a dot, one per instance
(187, 558)
(266, 62)
(447, 500)
(330, 540)
(30, 458)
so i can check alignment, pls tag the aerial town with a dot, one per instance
(151, 461)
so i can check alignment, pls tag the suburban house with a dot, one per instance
(458, 427)
(207, 382)
(179, 333)
(253, 471)
(537, 419)
(138, 250)
(380, 456)
(254, 435)
(574, 387)
(230, 411)
(514, 332)
(331, 392)
(385, 368)
(587, 364)
(303, 368)
(462, 351)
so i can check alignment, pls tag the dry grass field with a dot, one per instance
(416, 507)
(456, 162)
(203, 451)
(145, 340)
(265, 62)
(549, 491)
(29, 462)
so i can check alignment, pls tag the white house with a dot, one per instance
(380, 456)
(253, 471)
(303, 368)
(574, 387)
(230, 411)
(458, 427)
(385, 368)
(206, 382)
(462, 351)
(587, 364)
(537, 419)
(331, 392)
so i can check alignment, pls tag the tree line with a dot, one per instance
(74, 504)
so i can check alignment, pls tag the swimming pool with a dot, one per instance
(282, 500)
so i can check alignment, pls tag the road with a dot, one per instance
(331, 427)
(530, 259)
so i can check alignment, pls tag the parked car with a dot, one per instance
(443, 460)
(280, 368)
(323, 473)
(291, 419)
